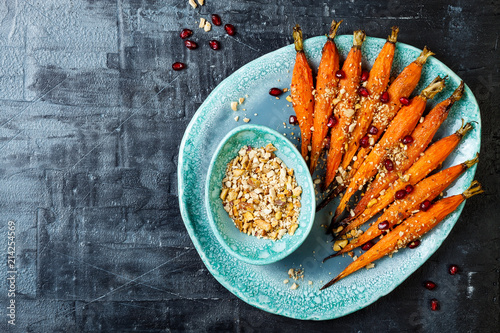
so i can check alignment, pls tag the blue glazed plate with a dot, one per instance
(262, 286)
(247, 248)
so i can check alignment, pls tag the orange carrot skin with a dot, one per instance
(376, 84)
(409, 230)
(344, 111)
(303, 100)
(427, 189)
(326, 91)
(401, 126)
(422, 136)
(432, 158)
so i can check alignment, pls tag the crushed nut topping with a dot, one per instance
(261, 194)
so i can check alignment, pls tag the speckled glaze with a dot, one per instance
(248, 248)
(262, 286)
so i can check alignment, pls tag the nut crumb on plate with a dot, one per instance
(246, 120)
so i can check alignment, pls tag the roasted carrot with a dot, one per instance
(344, 110)
(405, 155)
(427, 189)
(402, 86)
(402, 124)
(302, 92)
(326, 91)
(377, 83)
(430, 160)
(409, 230)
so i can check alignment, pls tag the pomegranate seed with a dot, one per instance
(434, 304)
(230, 29)
(400, 194)
(177, 66)
(429, 285)
(332, 121)
(389, 165)
(216, 19)
(363, 92)
(407, 139)
(425, 205)
(368, 245)
(275, 92)
(365, 141)
(185, 33)
(364, 76)
(384, 225)
(414, 244)
(408, 189)
(404, 101)
(453, 269)
(190, 44)
(340, 74)
(372, 130)
(214, 44)
(384, 98)
(327, 142)
(293, 120)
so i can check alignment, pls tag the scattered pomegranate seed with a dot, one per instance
(214, 44)
(293, 120)
(453, 269)
(275, 92)
(404, 100)
(363, 92)
(230, 29)
(434, 304)
(332, 121)
(177, 66)
(368, 245)
(429, 285)
(384, 98)
(414, 244)
(364, 76)
(389, 165)
(407, 139)
(372, 130)
(365, 141)
(400, 194)
(408, 189)
(340, 74)
(384, 225)
(190, 44)
(216, 19)
(185, 33)
(425, 205)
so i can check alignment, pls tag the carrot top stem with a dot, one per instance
(393, 37)
(470, 163)
(464, 129)
(422, 58)
(458, 93)
(358, 38)
(474, 188)
(297, 39)
(433, 88)
(333, 29)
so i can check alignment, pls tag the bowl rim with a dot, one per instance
(289, 250)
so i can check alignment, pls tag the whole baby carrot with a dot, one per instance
(402, 125)
(409, 230)
(344, 110)
(302, 92)
(375, 87)
(407, 153)
(427, 189)
(326, 91)
(430, 160)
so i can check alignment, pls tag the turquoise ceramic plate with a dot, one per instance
(253, 250)
(262, 286)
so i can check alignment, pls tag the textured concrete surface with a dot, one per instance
(91, 117)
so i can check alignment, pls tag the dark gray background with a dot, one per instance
(91, 117)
